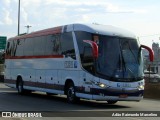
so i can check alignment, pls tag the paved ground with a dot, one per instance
(40, 102)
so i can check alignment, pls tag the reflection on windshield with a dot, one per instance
(118, 58)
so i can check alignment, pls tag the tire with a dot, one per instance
(20, 86)
(111, 102)
(71, 94)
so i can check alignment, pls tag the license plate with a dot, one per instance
(123, 96)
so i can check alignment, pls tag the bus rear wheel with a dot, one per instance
(20, 86)
(111, 102)
(71, 96)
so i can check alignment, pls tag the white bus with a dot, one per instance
(96, 62)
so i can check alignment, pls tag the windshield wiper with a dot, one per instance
(132, 52)
(123, 64)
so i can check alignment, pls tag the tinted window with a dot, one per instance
(28, 47)
(20, 46)
(85, 50)
(56, 45)
(39, 45)
(13, 47)
(80, 36)
(53, 45)
(8, 49)
(67, 45)
(49, 45)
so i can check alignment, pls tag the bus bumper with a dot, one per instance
(117, 98)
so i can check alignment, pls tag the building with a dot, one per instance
(155, 66)
(156, 49)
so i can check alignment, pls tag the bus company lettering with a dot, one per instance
(68, 64)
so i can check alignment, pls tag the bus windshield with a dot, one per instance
(119, 58)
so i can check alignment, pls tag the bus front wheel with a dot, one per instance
(111, 102)
(71, 97)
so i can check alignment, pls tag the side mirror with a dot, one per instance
(151, 53)
(94, 47)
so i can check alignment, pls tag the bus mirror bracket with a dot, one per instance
(151, 53)
(94, 47)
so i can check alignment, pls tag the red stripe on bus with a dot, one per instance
(34, 57)
(50, 31)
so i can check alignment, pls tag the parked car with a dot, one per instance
(151, 76)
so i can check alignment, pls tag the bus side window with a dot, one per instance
(8, 49)
(56, 45)
(16, 42)
(87, 59)
(85, 50)
(28, 47)
(13, 47)
(39, 45)
(20, 46)
(67, 45)
(52, 45)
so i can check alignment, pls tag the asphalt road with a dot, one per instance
(40, 102)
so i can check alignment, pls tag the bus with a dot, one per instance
(88, 61)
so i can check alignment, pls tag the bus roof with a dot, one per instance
(103, 29)
(92, 28)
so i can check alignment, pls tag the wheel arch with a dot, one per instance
(18, 78)
(67, 82)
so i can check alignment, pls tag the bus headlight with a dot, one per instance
(102, 85)
(141, 87)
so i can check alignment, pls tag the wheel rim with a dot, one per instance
(20, 87)
(71, 94)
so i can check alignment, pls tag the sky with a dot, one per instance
(141, 17)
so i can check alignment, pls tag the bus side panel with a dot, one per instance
(40, 76)
(85, 85)
(69, 75)
(7, 74)
(28, 76)
(51, 78)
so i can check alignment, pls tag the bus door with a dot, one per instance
(88, 66)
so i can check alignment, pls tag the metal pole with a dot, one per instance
(19, 16)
